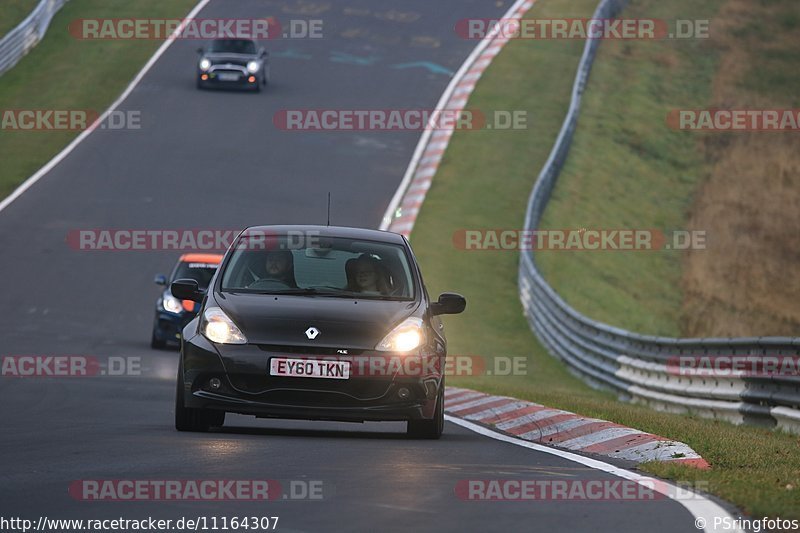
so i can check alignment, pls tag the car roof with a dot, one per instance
(333, 231)
(201, 258)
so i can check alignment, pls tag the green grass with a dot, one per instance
(62, 72)
(13, 12)
(626, 169)
(484, 182)
(774, 75)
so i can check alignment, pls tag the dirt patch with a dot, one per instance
(745, 282)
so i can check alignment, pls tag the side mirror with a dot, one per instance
(449, 303)
(200, 50)
(186, 289)
(263, 53)
(161, 279)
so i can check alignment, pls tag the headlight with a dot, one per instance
(205, 64)
(219, 328)
(252, 67)
(172, 304)
(408, 335)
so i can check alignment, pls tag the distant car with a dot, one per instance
(338, 328)
(233, 63)
(173, 314)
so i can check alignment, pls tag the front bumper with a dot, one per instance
(214, 79)
(168, 326)
(247, 388)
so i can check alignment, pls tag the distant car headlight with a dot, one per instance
(172, 304)
(219, 328)
(252, 67)
(408, 335)
(205, 64)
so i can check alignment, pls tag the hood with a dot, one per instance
(343, 323)
(236, 59)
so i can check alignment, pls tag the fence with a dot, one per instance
(27, 34)
(639, 366)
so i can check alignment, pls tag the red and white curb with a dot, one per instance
(407, 201)
(562, 429)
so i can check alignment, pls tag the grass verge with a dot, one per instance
(62, 73)
(484, 182)
(626, 169)
(14, 12)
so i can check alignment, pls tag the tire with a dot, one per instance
(156, 343)
(429, 429)
(195, 420)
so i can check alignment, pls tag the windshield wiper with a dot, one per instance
(330, 292)
(312, 291)
(296, 291)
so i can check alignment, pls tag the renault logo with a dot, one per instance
(312, 333)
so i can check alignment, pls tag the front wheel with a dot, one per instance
(197, 420)
(429, 429)
(156, 343)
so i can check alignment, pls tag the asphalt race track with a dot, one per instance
(212, 159)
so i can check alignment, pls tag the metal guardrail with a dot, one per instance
(19, 41)
(636, 365)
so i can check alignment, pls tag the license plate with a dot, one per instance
(309, 368)
(227, 76)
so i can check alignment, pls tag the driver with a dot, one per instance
(279, 266)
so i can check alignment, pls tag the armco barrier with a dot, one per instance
(20, 40)
(636, 365)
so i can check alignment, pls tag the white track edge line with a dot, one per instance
(700, 507)
(388, 215)
(39, 174)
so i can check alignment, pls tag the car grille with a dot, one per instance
(309, 392)
(234, 62)
(306, 350)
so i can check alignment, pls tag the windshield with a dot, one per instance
(200, 272)
(232, 46)
(337, 267)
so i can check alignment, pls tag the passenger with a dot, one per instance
(365, 275)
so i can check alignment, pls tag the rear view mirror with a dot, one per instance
(449, 303)
(161, 279)
(200, 50)
(186, 289)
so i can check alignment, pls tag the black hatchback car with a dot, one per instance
(234, 63)
(317, 323)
